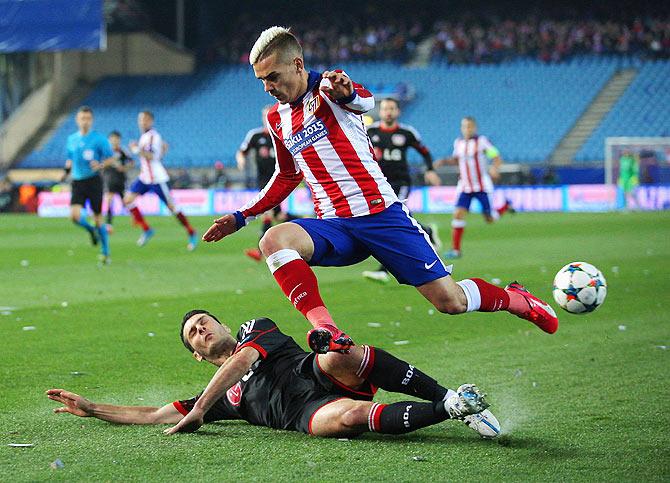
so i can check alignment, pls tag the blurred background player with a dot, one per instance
(87, 153)
(153, 178)
(115, 175)
(472, 153)
(257, 146)
(629, 177)
(391, 140)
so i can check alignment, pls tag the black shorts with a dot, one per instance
(325, 389)
(88, 189)
(115, 185)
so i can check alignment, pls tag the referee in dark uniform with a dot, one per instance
(391, 140)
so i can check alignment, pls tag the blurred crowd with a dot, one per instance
(462, 42)
(548, 40)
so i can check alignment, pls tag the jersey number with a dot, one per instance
(392, 154)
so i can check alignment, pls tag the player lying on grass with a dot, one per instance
(265, 378)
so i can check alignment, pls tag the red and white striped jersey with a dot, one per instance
(152, 171)
(473, 164)
(324, 142)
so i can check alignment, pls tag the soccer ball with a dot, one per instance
(579, 287)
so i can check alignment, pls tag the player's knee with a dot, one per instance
(275, 239)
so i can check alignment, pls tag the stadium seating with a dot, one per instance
(525, 107)
(643, 110)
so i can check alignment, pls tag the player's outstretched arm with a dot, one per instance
(226, 376)
(79, 406)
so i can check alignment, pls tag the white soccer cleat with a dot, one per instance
(485, 423)
(377, 276)
(467, 400)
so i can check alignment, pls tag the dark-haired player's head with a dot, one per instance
(468, 127)
(277, 60)
(389, 111)
(84, 119)
(205, 336)
(114, 138)
(145, 120)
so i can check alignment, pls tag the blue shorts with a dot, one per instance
(162, 190)
(464, 200)
(393, 237)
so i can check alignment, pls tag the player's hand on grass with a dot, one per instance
(341, 85)
(72, 403)
(222, 227)
(189, 424)
(432, 178)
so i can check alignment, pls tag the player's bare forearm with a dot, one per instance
(452, 160)
(241, 159)
(228, 374)
(225, 377)
(133, 414)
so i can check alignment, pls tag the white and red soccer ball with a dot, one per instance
(579, 287)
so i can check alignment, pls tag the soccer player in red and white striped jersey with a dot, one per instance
(476, 175)
(153, 178)
(319, 136)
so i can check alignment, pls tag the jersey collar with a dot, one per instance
(312, 80)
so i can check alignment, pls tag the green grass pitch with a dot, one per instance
(588, 403)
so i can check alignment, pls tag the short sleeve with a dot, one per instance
(261, 334)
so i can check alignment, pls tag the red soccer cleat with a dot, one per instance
(540, 313)
(328, 338)
(254, 253)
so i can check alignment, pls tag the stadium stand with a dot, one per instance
(525, 106)
(643, 110)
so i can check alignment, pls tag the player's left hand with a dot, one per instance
(95, 165)
(222, 227)
(189, 424)
(72, 403)
(341, 85)
(432, 178)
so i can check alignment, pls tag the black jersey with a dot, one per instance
(258, 145)
(283, 388)
(391, 144)
(112, 175)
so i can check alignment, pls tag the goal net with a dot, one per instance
(652, 154)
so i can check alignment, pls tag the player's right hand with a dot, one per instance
(222, 227)
(72, 403)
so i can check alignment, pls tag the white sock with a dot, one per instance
(280, 258)
(472, 294)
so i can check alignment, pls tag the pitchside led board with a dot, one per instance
(440, 199)
(51, 25)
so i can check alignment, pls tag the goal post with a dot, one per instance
(650, 151)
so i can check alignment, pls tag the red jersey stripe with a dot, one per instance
(318, 168)
(352, 162)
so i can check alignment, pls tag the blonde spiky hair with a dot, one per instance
(274, 39)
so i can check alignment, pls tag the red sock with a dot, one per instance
(501, 211)
(299, 284)
(184, 221)
(493, 298)
(456, 235)
(139, 219)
